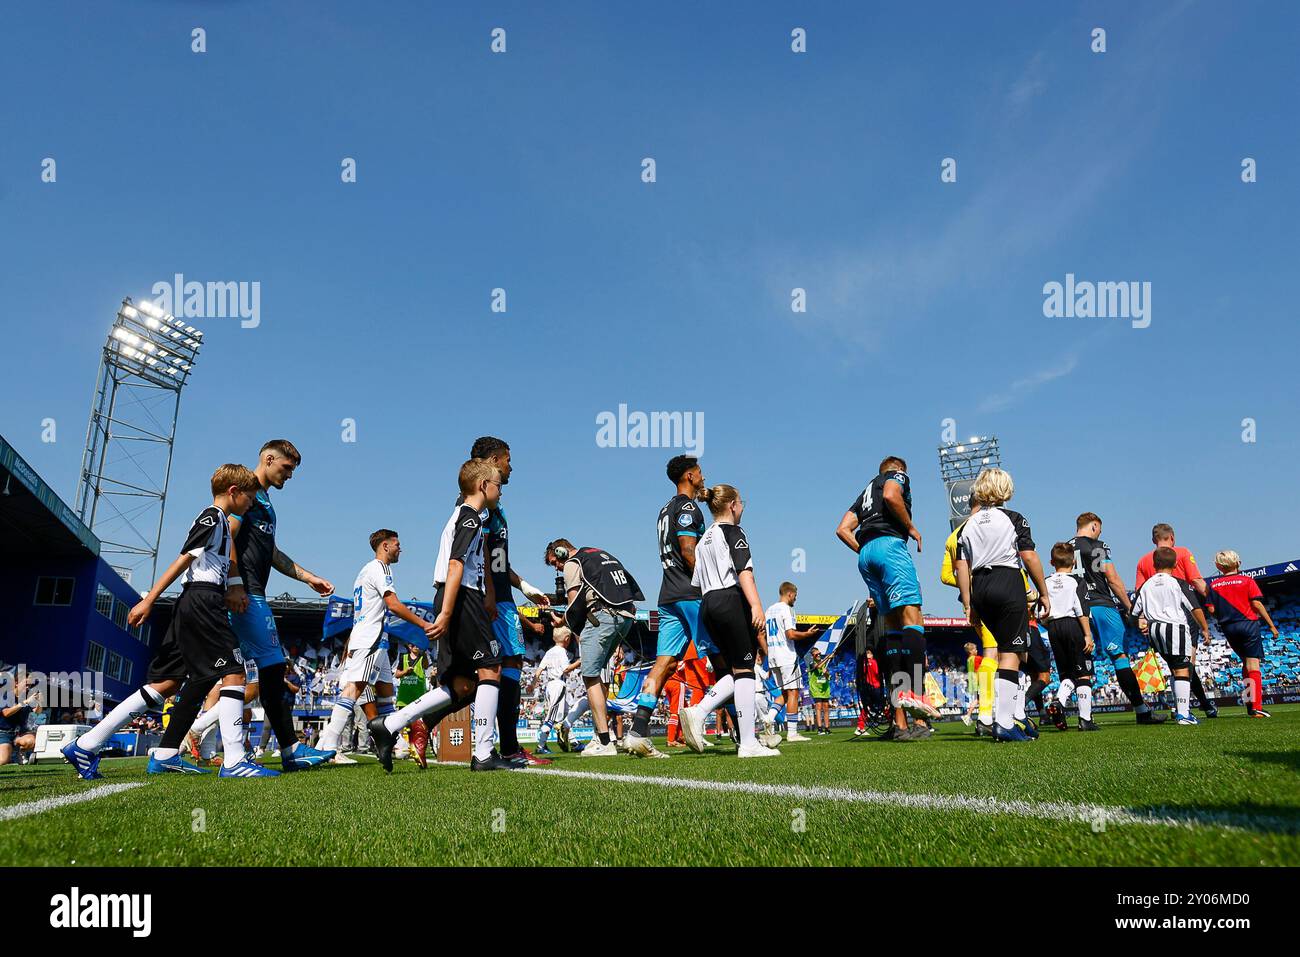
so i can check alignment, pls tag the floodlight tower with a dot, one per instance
(959, 465)
(127, 464)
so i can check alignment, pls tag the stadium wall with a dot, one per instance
(73, 637)
(64, 607)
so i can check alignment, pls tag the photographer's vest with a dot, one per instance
(611, 583)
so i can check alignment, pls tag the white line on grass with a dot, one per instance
(15, 811)
(1095, 815)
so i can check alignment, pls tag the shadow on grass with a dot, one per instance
(1245, 815)
(1287, 759)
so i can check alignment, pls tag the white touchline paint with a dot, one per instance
(1092, 814)
(15, 811)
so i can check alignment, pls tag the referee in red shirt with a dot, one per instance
(1162, 536)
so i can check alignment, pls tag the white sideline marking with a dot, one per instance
(49, 804)
(1096, 815)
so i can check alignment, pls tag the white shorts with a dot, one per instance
(366, 667)
(557, 700)
(785, 674)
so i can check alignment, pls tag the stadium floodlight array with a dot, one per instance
(959, 464)
(965, 460)
(155, 344)
(126, 465)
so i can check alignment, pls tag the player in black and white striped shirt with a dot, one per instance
(199, 647)
(1163, 606)
(993, 544)
(733, 615)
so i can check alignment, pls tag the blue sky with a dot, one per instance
(774, 170)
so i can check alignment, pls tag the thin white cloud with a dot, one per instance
(1031, 82)
(998, 401)
(879, 292)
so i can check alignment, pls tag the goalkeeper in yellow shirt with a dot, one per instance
(987, 670)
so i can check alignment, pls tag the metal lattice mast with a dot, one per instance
(126, 466)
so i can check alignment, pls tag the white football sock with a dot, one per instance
(1004, 704)
(1084, 693)
(1063, 693)
(485, 716)
(208, 746)
(1022, 684)
(791, 723)
(577, 711)
(719, 693)
(422, 705)
(1183, 692)
(745, 708)
(145, 699)
(230, 709)
(205, 720)
(338, 723)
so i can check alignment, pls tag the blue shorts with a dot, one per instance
(9, 735)
(259, 642)
(506, 630)
(1107, 631)
(887, 568)
(1245, 638)
(679, 625)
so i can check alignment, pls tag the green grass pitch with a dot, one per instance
(1224, 793)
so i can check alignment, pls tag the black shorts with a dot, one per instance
(1040, 657)
(199, 643)
(1068, 647)
(469, 643)
(725, 614)
(1176, 662)
(1172, 642)
(998, 597)
(1245, 638)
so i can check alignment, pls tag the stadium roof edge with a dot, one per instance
(41, 517)
(1277, 570)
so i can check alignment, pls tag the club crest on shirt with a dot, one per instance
(684, 520)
